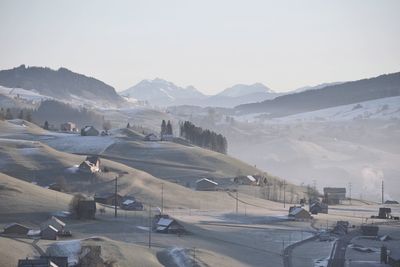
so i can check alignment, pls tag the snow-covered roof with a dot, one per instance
(128, 202)
(251, 178)
(207, 180)
(33, 232)
(296, 211)
(165, 222)
(51, 227)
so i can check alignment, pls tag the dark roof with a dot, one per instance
(34, 263)
(93, 159)
(334, 190)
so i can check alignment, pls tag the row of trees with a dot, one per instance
(166, 128)
(203, 138)
(9, 114)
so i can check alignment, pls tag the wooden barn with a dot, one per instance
(206, 185)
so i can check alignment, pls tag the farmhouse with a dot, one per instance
(206, 185)
(16, 228)
(245, 180)
(334, 195)
(49, 233)
(169, 225)
(131, 204)
(151, 137)
(91, 164)
(53, 221)
(299, 214)
(86, 209)
(68, 127)
(89, 131)
(318, 207)
(108, 198)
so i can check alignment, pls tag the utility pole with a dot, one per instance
(237, 201)
(382, 193)
(162, 198)
(284, 194)
(149, 225)
(115, 197)
(194, 256)
(350, 192)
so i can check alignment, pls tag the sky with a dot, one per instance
(209, 44)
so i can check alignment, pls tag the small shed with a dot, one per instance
(55, 222)
(394, 258)
(206, 185)
(49, 233)
(151, 137)
(299, 214)
(86, 209)
(16, 228)
(89, 131)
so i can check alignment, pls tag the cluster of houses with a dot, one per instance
(49, 230)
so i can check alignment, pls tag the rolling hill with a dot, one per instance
(387, 85)
(61, 84)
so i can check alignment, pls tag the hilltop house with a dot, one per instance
(151, 137)
(206, 185)
(91, 164)
(68, 127)
(86, 209)
(16, 228)
(89, 131)
(334, 195)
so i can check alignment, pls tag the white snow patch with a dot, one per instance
(72, 169)
(70, 249)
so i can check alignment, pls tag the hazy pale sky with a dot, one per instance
(208, 44)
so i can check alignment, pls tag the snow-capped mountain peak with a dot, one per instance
(245, 89)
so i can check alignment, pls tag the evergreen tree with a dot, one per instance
(128, 125)
(21, 115)
(46, 125)
(9, 116)
(28, 116)
(163, 128)
(2, 115)
(169, 128)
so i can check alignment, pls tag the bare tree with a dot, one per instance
(106, 126)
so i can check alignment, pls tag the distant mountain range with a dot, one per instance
(61, 84)
(387, 85)
(164, 93)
